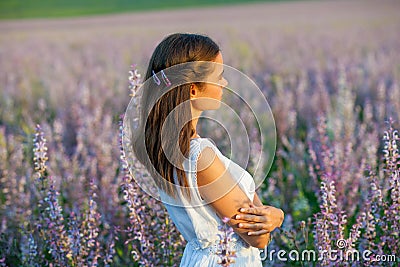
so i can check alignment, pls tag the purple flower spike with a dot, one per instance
(135, 80)
(225, 251)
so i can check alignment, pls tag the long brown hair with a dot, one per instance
(173, 50)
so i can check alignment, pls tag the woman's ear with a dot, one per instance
(193, 91)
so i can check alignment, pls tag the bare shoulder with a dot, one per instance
(207, 158)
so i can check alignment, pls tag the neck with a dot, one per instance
(195, 119)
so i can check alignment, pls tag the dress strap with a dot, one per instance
(196, 146)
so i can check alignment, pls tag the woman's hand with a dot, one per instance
(260, 220)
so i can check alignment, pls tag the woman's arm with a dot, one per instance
(260, 219)
(256, 201)
(218, 188)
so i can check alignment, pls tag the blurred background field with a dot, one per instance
(16, 9)
(329, 69)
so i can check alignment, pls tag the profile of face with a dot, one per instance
(208, 97)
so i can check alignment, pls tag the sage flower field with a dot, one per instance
(330, 71)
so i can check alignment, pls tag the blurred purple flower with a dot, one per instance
(225, 250)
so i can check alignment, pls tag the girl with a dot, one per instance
(198, 185)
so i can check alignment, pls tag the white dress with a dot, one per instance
(198, 223)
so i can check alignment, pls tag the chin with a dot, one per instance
(214, 106)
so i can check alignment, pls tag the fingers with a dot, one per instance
(251, 218)
(260, 232)
(282, 217)
(256, 228)
(254, 210)
(253, 226)
(266, 211)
